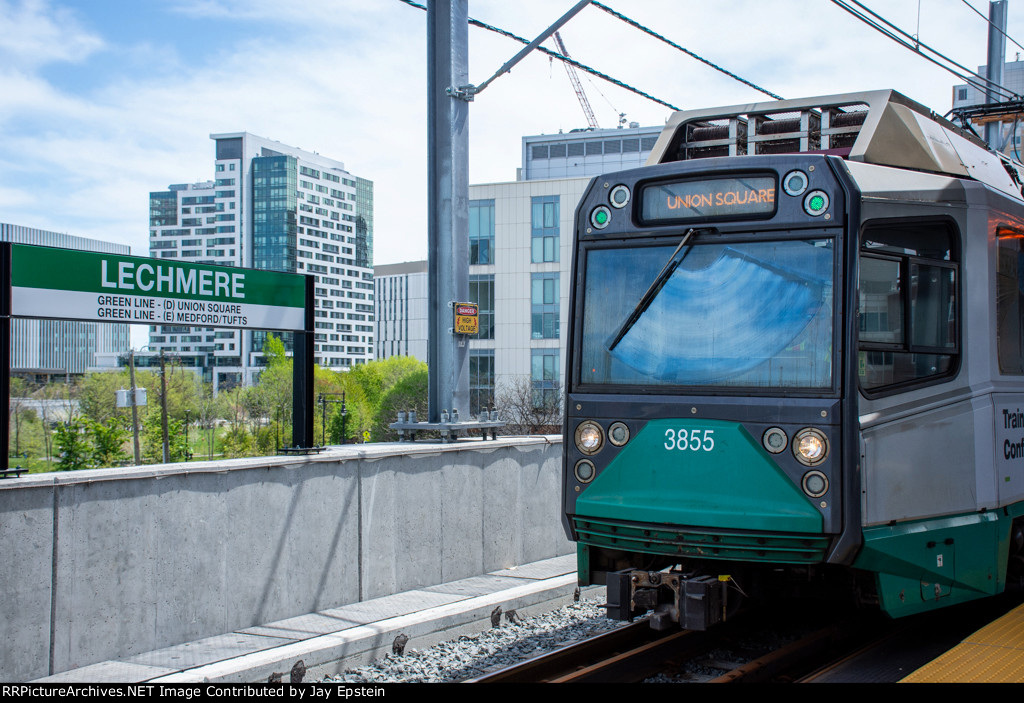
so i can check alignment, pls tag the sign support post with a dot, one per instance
(302, 376)
(5, 348)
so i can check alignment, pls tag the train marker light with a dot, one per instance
(775, 440)
(810, 446)
(816, 203)
(584, 471)
(589, 437)
(815, 484)
(619, 196)
(600, 217)
(795, 183)
(618, 434)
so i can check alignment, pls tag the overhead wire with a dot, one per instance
(982, 16)
(560, 57)
(651, 32)
(968, 75)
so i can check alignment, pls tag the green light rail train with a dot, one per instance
(796, 361)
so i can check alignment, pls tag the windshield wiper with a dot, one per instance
(666, 272)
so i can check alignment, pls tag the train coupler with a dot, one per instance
(692, 602)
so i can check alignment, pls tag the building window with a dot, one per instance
(544, 374)
(481, 292)
(481, 380)
(544, 300)
(544, 228)
(481, 231)
(961, 93)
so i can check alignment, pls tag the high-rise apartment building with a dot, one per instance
(401, 300)
(279, 208)
(42, 348)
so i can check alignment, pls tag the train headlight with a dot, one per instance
(619, 196)
(775, 440)
(600, 217)
(815, 484)
(589, 437)
(810, 446)
(618, 434)
(584, 471)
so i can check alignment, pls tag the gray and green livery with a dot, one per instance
(797, 361)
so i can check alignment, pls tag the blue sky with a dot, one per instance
(102, 101)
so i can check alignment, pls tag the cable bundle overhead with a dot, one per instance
(909, 41)
(560, 57)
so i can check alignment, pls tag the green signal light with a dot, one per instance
(601, 217)
(816, 203)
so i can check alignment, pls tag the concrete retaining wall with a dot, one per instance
(109, 563)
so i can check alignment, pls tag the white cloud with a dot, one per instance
(34, 33)
(347, 79)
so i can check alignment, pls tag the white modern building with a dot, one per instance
(275, 207)
(520, 241)
(586, 153)
(401, 302)
(520, 248)
(45, 348)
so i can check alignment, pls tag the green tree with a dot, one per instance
(408, 393)
(238, 442)
(20, 413)
(108, 440)
(97, 395)
(73, 443)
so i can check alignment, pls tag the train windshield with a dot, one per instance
(751, 314)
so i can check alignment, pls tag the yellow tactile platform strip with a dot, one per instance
(993, 654)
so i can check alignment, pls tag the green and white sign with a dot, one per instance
(68, 284)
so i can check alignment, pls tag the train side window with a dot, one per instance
(1010, 299)
(908, 306)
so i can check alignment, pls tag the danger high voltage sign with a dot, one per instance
(69, 284)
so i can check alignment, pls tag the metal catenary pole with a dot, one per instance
(447, 203)
(994, 69)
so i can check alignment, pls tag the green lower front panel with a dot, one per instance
(927, 564)
(701, 543)
(698, 472)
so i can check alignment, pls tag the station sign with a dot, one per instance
(48, 282)
(467, 318)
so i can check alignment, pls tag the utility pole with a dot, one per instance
(135, 410)
(994, 69)
(163, 405)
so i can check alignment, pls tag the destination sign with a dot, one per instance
(712, 198)
(70, 284)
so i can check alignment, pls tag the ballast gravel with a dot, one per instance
(513, 640)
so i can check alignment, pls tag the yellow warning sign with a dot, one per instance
(467, 318)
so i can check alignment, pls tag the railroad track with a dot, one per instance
(745, 650)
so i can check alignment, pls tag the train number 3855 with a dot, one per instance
(694, 440)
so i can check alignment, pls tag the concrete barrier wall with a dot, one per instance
(110, 563)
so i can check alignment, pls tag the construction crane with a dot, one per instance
(575, 80)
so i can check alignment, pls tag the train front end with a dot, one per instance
(708, 438)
